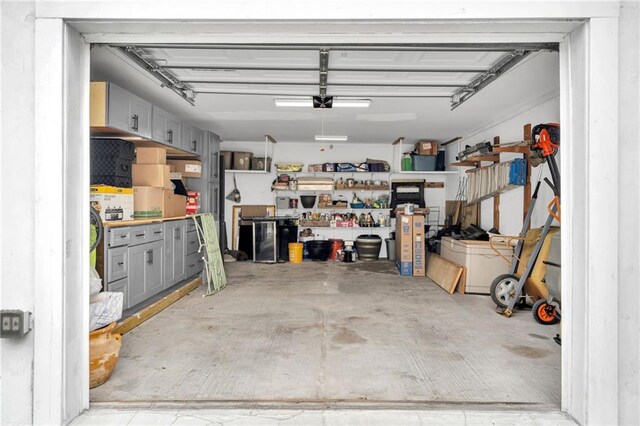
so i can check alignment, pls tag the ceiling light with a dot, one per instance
(294, 102)
(351, 103)
(331, 138)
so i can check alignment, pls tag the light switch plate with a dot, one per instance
(14, 323)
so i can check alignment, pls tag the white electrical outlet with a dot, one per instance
(15, 323)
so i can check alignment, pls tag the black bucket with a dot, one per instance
(319, 249)
(368, 247)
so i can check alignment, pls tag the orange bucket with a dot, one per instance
(295, 252)
(336, 244)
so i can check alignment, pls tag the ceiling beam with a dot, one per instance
(299, 69)
(309, 95)
(323, 84)
(411, 47)
(324, 72)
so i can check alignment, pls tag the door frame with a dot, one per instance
(589, 102)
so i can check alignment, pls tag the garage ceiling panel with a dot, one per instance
(239, 57)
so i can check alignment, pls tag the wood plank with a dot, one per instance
(496, 199)
(517, 149)
(526, 194)
(443, 272)
(434, 184)
(462, 283)
(135, 320)
(450, 141)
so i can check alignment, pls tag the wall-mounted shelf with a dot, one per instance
(333, 190)
(409, 172)
(247, 171)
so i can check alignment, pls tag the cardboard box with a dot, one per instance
(404, 244)
(242, 160)
(253, 211)
(188, 168)
(173, 205)
(112, 203)
(426, 148)
(419, 255)
(156, 175)
(148, 201)
(151, 155)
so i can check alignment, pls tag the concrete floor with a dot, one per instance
(331, 332)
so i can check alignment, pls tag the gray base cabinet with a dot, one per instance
(174, 252)
(143, 260)
(145, 271)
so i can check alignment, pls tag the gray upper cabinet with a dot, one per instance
(166, 128)
(192, 139)
(128, 112)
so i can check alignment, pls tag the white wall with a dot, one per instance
(256, 188)
(510, 130)
(17, 283)
(629, 260)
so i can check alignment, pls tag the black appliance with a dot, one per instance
(286, 231)
(405, 192)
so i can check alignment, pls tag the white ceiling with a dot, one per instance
(248, 116)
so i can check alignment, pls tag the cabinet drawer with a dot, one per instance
(121, 286)
(117, 267)
(119, 236)
(193, 264)
(191, 226)
(155, 232)
(139, 235)
(192, 243)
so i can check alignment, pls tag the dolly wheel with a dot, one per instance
(503, 289)
(544, 313)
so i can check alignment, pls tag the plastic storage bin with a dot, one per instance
(482, 263)
(424, 163)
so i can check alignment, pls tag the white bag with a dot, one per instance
(105, 308)
(95, 282)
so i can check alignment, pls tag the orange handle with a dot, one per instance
(556, 215)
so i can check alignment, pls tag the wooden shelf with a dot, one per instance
(517, 149)
(146, 221)
(247, 171)
(409, 172)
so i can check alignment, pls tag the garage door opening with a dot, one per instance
(333, 332)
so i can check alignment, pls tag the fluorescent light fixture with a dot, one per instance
(351, 103)
(294, 102)
(331, 138)
(337, 102)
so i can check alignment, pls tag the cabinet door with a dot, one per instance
(119, 108)
(179, 243)
(159, 126)
(198, 141)
(169, 253)
(173, 130)
(141, 116)
(185, 136)
(137, 261)
(154, 268)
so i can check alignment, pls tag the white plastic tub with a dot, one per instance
(482, 262)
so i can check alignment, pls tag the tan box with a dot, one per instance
(418, 246)
(148, 201)
(404, 244)
(151, 155)
(242, 160)
(173, 205)
(426, 148)
(156, 175)
(253, 211)
(188, 168)
(112, 203)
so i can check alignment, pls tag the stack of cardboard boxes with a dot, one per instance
(410, 245)
(181, 169)
(153, 193)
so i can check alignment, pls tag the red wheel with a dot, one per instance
(544, 313)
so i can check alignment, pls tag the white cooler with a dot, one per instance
(482, 262)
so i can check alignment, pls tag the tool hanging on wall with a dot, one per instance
(235, 194)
